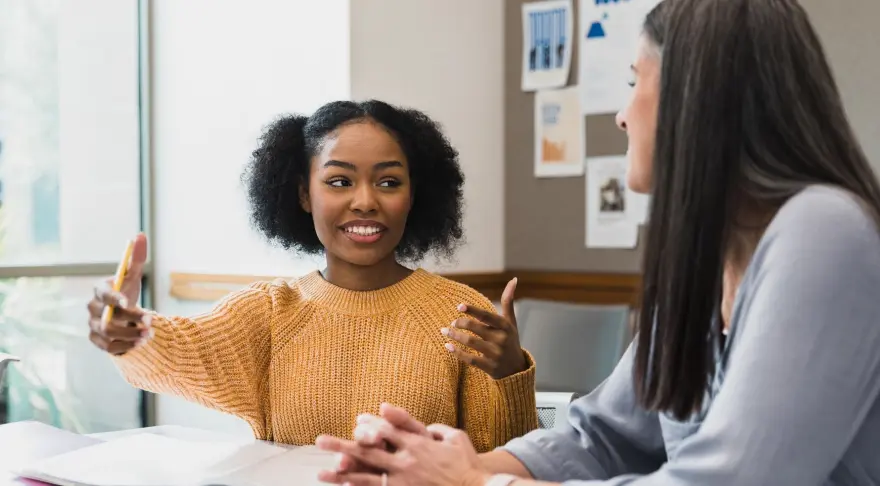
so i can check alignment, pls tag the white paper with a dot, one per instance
(613, 211)
(28, 441)
(149, 460)
(298, 466)
(547, 43)
(607, 42)
(559, 134)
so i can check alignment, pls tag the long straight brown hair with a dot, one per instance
(749, 114)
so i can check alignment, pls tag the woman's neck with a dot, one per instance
(349, 276)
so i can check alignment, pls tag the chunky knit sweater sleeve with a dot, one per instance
(219, 359)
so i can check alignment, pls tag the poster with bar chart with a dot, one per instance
(547, 44)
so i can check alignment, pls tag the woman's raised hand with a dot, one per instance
(495, 337)
(130, 325)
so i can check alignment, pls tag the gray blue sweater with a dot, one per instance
(794, 400)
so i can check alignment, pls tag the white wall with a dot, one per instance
(221, 71)
(445, 58)
(843, 32)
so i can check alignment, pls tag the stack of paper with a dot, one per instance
(25, 442)
(299, 466)
(147, 459)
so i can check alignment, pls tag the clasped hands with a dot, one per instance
(404, 450)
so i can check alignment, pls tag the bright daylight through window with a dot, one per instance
(70, 196)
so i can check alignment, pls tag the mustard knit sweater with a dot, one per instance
(301, 359)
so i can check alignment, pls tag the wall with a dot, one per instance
(220, 72)
(850, 38)
(530, 200)
(445, 58)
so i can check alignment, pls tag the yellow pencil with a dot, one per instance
(121, 272)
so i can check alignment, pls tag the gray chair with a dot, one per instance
(575, 346)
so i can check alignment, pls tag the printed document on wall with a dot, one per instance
(608, 39)
(612, 209)
(559, 134)
(548, 30)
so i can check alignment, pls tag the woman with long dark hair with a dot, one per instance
(757, 359)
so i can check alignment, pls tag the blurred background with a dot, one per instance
(119, 116)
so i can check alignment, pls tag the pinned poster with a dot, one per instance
(613, 211)
(548, 29)
(559, 134)
(608, 41)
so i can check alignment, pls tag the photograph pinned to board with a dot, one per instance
(548, 30)
(608, 39)
(614, 213)
(559, 134)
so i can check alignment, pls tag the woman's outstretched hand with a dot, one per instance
(436, 455)
(130, 325)
(495, 337)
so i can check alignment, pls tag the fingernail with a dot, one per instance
(147, 319)
(123, 303)
(449, 347)
(339, 458)
(462, 308)
(453, 324)
(141, 342)
(362, 418)
(444, 331)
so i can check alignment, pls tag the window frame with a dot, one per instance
(147, 402)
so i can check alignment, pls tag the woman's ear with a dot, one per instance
(304, 200)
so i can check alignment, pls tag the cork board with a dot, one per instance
(533, 240)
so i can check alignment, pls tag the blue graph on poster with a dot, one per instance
(597, 30)
(547, 39)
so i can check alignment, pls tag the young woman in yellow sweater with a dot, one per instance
(369, 185)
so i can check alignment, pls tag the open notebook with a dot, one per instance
(147, 459)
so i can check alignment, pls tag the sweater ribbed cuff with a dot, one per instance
(515, 404)
(140, 365)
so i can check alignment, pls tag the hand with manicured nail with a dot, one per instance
(130, 325)
(494, 336)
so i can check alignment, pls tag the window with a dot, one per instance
(70, 197)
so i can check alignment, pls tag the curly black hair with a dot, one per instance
(280, 166)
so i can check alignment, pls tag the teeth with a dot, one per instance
(363, 230)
